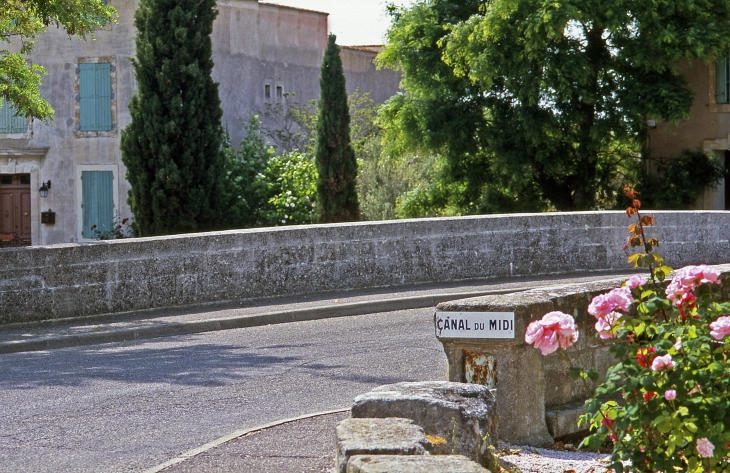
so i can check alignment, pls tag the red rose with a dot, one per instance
(645, 356)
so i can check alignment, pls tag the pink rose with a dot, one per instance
(605, 325)
(635, 281)
(662, 362)
(705, 447)
(670, 394)
(696, 275)
(675, 291)
(720, 328)
(555, 330)
(686, 279)
(604, 304)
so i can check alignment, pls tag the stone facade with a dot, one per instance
(262, 52)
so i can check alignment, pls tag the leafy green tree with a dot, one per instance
(21, 21)
(172, 148)
(334, 156)
(543, 104)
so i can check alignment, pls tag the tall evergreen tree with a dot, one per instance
(335, 157)
(172, 148)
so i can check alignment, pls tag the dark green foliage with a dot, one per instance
(676, 183)
(334, 155)
(172, 148)
(244, 196)
(537, 104)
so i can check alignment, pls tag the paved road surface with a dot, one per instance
(130, 406)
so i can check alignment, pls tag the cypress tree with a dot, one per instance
(172, 148)
(334, 155)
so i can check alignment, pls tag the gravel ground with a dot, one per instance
(542, 460)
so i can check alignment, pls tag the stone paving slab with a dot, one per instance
(413, 464)
(306, 446)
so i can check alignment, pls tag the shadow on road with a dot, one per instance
(202, 365)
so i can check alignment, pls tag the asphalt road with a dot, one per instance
(133, 405)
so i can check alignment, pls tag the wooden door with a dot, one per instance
(7, 212)
(15, 214)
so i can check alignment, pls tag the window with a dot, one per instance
(722, 81)
(97, 202)
(279, 93)
(95, 97)
(267, 92)
(9, 121)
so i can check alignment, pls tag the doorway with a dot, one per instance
(15, 215)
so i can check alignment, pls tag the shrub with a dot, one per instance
(678, 182)
(290, 181)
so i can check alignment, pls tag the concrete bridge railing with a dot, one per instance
(70, 280)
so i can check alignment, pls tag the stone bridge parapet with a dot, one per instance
(71, 280)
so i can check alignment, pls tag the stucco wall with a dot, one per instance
(254, 44)
(126, 275)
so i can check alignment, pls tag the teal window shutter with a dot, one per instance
(97, 202)
(721, 84)
(95, 97)
(9, 121)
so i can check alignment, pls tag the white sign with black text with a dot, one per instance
(474, 324)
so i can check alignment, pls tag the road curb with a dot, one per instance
(243, 321)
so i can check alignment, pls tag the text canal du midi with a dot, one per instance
(474, 324)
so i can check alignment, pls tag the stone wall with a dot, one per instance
(536, 398)
(129, 275)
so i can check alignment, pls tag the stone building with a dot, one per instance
(707, 128)
(263, 52)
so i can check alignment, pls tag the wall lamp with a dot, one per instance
(44, 189)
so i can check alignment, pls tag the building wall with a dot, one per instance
(707, 128)
(254, 44)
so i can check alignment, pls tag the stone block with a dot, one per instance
(392, 436)
(413, 464)
(458, 418)
(562, 420)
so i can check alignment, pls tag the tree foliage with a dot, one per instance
(539, 104)
(244, 194)
(21, 21)
(172, 148)
(334, 155)
(262, 189)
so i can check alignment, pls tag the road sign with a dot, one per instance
(474, 324)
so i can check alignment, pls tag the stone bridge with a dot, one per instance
(71, 280)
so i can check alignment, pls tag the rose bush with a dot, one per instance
(665, 404)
